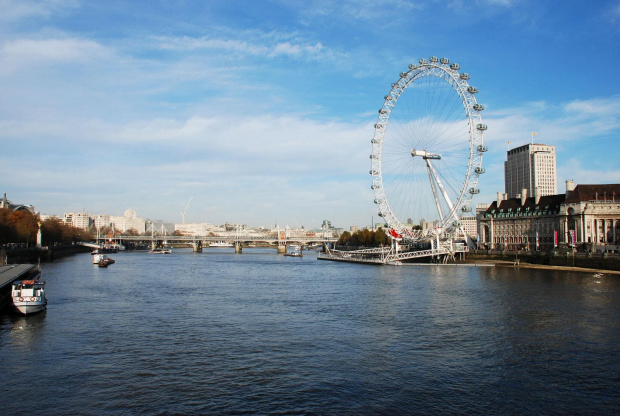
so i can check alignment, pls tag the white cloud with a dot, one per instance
(264, 44)
(28, 53)
(14, 10)
(572, 121)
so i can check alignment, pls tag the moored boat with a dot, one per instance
(221, 244)
(161, 250)
(29, 296)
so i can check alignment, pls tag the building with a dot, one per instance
(529, 167)
(591, 216)
(195, 229)
(586, 217)
(77, 219)
(5, 203)
(470, 226)
(129, 221)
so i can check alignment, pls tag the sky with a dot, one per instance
(262, 112)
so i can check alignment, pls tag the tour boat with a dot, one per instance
(221, 244)
(29, 295)
(294, 254)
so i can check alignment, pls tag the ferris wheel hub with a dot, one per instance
(424, 154)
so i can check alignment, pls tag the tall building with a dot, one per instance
(530, 166)
(77, 219)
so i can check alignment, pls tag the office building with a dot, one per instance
(529, 167)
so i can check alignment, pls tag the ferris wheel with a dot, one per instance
(427, 150)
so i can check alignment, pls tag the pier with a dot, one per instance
(443, 252)
(9, 274)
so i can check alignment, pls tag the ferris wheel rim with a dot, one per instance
(458, 82)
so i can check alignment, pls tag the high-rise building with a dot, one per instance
(529, 167)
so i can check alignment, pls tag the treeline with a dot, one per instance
(364, 238)
(20, 228)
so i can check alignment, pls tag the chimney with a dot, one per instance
(536, 195)
(500, 197)
(523, 196)
(570, 186)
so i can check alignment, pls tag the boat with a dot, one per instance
(29, 295)
(221, 244)
(161, 250)
(97, 257)
(100, 259)
(294, 254)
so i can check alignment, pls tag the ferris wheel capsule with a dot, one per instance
(444, 61)
(434, 59)
(464, 76)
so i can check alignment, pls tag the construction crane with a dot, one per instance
(187, 206)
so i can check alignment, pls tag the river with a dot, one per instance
(224, 333)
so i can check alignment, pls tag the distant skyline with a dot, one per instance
(263, 112)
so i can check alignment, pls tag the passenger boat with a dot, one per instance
(221, 244)
(29, 295)
(294, 254)
(161, 250)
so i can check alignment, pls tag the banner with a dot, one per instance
(505, 240)
(555, 238)
(537, 241)
(572, 238)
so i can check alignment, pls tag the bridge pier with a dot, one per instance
(238, 248)
(281, 248)
(197, 246)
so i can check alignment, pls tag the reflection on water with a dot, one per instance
(216, 332)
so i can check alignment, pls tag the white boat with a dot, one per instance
(102, 260)
(221, 244)
(161, 250)
(99, 257)
(29, 296)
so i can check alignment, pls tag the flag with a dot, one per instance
(534, 134)
(555, 238)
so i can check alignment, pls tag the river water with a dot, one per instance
(224, 333)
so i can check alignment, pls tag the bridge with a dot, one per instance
(282, 240)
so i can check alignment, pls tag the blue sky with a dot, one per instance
(263, 111)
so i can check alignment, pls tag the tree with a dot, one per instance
(380, 237)
(344, 238)
(26, 227)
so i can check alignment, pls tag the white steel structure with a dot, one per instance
(427, 149)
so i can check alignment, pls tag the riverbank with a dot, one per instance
(40, 254)
(581, 262)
